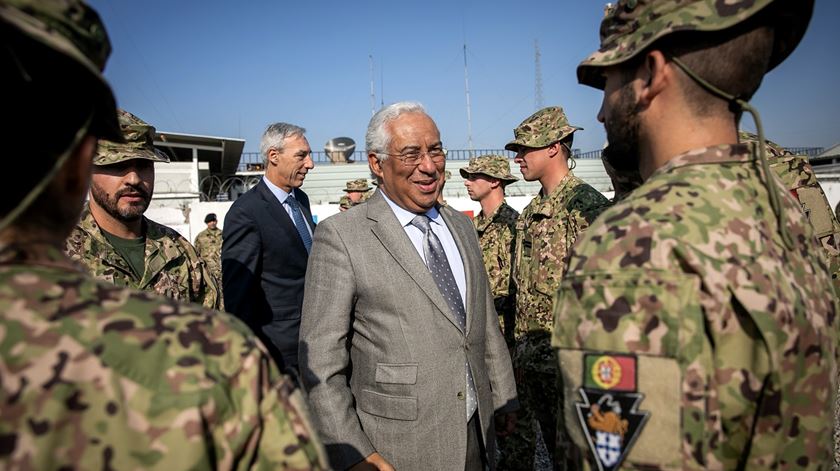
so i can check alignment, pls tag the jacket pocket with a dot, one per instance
(389, 407)
(396, 373)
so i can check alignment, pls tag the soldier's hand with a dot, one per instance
(505, 424)
(373, 462)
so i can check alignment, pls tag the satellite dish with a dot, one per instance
(340, 149)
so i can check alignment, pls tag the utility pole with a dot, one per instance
(538, 87)
(469, 111)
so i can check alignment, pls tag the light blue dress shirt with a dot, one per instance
(282, 196)
(438, 225)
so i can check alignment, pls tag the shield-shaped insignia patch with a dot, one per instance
(608, 411)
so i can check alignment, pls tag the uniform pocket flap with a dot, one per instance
(396, 373)
(389, 407)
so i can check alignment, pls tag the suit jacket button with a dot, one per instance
(461, 395)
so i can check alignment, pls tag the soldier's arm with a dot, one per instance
(269, 427)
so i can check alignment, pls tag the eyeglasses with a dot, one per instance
(412, 158)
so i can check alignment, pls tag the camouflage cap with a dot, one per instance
(496, 166)
(73, 29)
(139, 138)
(541, 129)
(632, 25)
(447, 175)
(360, 184)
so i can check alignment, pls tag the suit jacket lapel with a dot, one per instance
(461, 241)
(392, 235)
(279, 214)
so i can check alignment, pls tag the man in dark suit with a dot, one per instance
(400, 348)
(266, 242)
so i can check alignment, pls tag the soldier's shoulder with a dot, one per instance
(507, 214)
(141, 336)
(584, 198)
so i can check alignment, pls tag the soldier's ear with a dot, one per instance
(656, 74)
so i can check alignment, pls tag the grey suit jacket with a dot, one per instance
(381, 355)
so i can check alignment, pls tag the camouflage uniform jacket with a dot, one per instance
(497, 234)
(172, 266)
(97, 376)
(545, 231)
(208, 244)
(728, 338)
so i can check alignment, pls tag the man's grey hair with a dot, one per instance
(377, 139)
(275, 134)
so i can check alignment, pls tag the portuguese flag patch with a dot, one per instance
(609, 372)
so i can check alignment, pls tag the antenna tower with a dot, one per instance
(467, 91)
(538, 87)
(372, 94)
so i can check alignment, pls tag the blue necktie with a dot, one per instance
(438, 264)
(300, 223)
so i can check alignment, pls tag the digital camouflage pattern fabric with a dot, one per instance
(496, 166)
(799, 178)
(541, 129)
(172, 266)
(545, 231)
(97, 376)
(139, 138)
(359, 184)
(733, 338)
(630, 26)
(497, 237)
(208, 244)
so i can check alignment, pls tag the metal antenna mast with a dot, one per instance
(538, 87)
(372, 94)
(467, 91)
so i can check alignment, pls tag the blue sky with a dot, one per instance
(227, 68)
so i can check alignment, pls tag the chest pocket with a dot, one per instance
(637, 336)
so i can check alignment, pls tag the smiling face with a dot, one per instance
(124, 189)
(287, 168)
(412, 187)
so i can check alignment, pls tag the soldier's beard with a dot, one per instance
(128, 213)
(622, 128)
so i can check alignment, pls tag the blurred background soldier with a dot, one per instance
(117, 243)
(208, 243)
(445, 176)
(799, 178)
(545, 232)
(486, 177)
(696, 325)
(97, 376)
(358, 191)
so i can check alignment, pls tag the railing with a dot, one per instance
(253, 161)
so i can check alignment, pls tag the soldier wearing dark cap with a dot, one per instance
(546, 230)
(117, 243)
(696, 324)
(486, 177)
(208, 244)
(96, 376)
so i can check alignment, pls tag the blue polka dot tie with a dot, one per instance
(300, 223)
(438, 264)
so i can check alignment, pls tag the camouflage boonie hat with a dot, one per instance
(541, 129)
(632, 25)
(139, 138)
(495, 166)
(360, 184)
(74, 30)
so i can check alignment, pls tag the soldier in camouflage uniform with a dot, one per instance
(696, 325)
(208, 244)
(96, 376)
(117, 243)
(546, 230)
(799, 178)
(357, 192)
(485, 178)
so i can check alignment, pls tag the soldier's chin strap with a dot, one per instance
(743, 105)
(48, 177)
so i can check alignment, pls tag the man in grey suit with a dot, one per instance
(399, 346)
